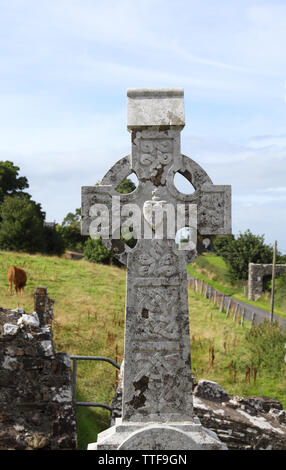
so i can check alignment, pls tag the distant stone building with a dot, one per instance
(256, 273)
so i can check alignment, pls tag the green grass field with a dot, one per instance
(89, 320)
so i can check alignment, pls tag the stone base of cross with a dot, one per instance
(157, 386)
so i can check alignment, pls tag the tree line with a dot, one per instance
(23, 226)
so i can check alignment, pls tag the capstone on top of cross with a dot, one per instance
(155, 108)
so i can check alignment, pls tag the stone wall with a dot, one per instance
(253, 423)
(256, 423)
(256, 272)
(37, 409)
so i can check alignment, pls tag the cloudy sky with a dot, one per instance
(65, 66)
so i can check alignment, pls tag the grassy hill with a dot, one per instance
(89, 320)
(212, 269)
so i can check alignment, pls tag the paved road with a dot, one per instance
(260, 314)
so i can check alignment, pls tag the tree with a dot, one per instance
(238, 253)
(69, 231)
(37, 205)
(21, 219)
(96, 251)
(12, 185)
(21, 228)
(72, 219)
(126, 186)
(53, 241)
(10, 182)
(71, 236)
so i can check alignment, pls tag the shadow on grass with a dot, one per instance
(90, 422)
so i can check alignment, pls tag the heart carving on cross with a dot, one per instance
(153, 212)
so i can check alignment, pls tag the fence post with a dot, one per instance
(221, 303)
(206, 291)
(228, 307)
(242, 317)
(253, 319)
(74, 369)
(202, 286)
(235, 311)
(214, 296)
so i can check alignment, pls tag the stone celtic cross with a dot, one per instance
(157, 390)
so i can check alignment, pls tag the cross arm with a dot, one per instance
(91, 195)
(214, 210)
(96, 199)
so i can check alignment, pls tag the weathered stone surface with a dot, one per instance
(37, 410)
(157, 379)
(126, 435)
(256, 273)
(280, 415)
(241, 426)
(210, 390)
(157, 437)
(264, 404)
(240, 423)
(43, 305)
(155, 107)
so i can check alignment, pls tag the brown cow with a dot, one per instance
(18, 277)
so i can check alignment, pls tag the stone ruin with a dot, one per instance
(253, 423)
(256, 273)
(37, 410)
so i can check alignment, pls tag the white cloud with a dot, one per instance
(268, 141)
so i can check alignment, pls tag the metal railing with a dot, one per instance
(90, 358)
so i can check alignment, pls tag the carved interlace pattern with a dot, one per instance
(152, 157)
(157, 344)
(158, 262)
(211, 211)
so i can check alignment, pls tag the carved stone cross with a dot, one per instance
(157, 390)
